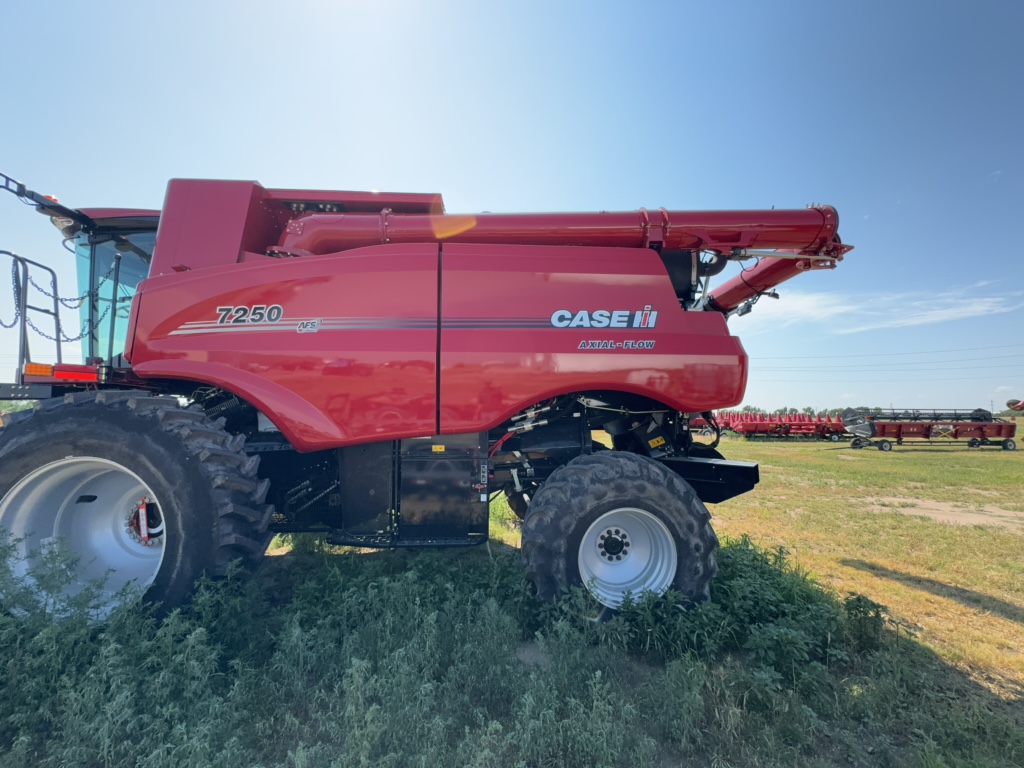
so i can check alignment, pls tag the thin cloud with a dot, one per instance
(795, 308)
(836, 313)
(917, 309)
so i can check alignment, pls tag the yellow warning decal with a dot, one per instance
(656, 442)
(437, 448)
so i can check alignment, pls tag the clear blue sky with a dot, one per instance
(907, 117)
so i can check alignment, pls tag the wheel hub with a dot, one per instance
(613, 545)
(145, 524)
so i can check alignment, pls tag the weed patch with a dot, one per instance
(417, 659)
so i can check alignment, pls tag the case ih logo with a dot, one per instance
(604, 318)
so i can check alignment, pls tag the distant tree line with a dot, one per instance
(806, 410)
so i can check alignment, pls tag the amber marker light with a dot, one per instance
(38, 369)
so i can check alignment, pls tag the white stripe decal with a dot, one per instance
(292, 327)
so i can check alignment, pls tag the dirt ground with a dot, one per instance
(952, 512)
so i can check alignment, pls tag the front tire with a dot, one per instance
(77, 470)
(618, 523)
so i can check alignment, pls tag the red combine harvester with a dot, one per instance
(364, 365)
(882, 428)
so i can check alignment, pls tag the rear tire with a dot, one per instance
(1009, 445)
(660, 532)
(76, 469)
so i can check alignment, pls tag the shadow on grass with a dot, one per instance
(948, 449)
(913, 449)
(966, 597)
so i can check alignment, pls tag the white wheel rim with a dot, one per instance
(91, 507)
(627, 550)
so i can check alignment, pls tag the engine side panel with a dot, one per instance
(521, 323)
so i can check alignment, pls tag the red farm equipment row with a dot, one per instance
(883, 428)
(751, 425)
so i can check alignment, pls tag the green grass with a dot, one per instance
(337, 658)
(961, 587)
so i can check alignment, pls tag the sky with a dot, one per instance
(907, 117)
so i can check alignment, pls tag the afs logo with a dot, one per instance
(605, 318)
(309, 326)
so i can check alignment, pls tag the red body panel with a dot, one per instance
(500, 351)
(205, 223)
(367, 371)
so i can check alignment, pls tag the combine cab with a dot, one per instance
(367, 366)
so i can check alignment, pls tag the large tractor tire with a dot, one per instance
(618, 523)
(139, 490)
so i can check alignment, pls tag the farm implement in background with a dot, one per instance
(759, 425)
(882, 428)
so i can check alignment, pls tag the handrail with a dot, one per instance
(20, 280)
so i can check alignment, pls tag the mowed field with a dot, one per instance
(935, 533)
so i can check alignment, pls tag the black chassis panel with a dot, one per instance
(26, 391)
(443, 489)
(420, 492)
(715, 480)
